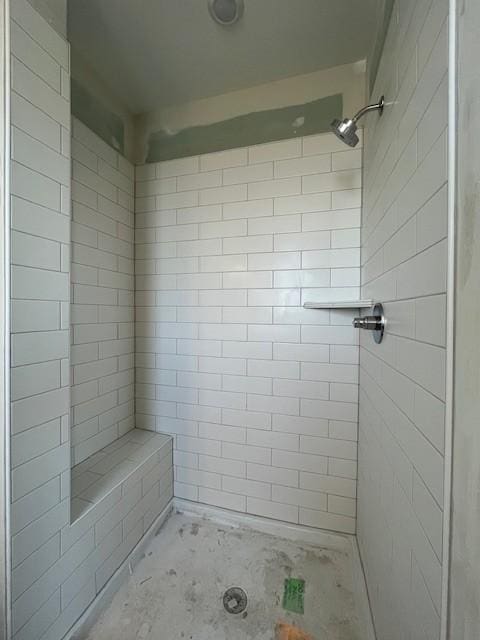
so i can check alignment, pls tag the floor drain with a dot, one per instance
(235, 600)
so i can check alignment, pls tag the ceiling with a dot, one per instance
(156, 53)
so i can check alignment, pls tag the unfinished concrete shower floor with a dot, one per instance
(176, 590)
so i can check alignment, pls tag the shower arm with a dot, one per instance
(378, 106)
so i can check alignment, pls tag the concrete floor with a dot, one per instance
(176, 589)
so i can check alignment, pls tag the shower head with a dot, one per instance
(346, 129)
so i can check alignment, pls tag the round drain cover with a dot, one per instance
(235, 600)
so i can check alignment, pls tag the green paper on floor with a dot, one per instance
(293, 593)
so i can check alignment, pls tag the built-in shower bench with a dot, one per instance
(134, 463)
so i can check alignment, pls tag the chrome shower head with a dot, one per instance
(346, 129)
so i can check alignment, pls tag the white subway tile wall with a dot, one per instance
(259, 393)
(58, 568)
(103, 374)
(402, 381)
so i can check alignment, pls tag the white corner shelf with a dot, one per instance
(341, 304)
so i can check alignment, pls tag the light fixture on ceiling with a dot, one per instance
(226, 12)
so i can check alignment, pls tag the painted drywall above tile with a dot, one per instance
(263, 113)
(96, 116)
(250, 129)
(386, 12)
(99, 109)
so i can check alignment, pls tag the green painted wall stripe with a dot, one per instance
(93, 113)
(253, 128)
(379, 45)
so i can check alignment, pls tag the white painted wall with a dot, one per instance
(348, 80)
(260, 394)
(402, 381)
(102, 294)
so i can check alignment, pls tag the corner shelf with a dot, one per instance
(342, 304)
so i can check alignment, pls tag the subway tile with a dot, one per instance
(30, 348)
(248, 174)
(221, 432)
(331, 258)
(256, 315)
(331, 220)
(149, 188)
(233, 193)
(331, 485)
(329, 447)
(232, 370)
(200, 248)
(329, 409)
(303, 166)
(344, 160)
(274, 224)
(43, 160)
(253, 244)
(235, 468)
(303, 278)
(223, 229)
(273, 369)
(321, 143)
(323, 520)
(222, 332)
(301, 352)
(202, 180)
(250, 209)
(273, 333)
(222, 499)
(334, 181)
(232, 366)
(35, 315)
(247, 280)
(182, 166)
(222, 298)
(223, 263)
(302, 241)
(207, 213)
(303, 203)
(300, 497)
(223, 159)
(272, 475)
(274, 261)
(249, 419)
(34, 188)
(299, 461)
(32, 379)
(274, 297)
(301, 389)
(246, 453)
(246, 487)
(273, 404)
(275, 151)
(39, 29)
(38, 92)
(347, 199)
(274, 188)
(247, 384)
(35, 122)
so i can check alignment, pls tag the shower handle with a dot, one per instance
(374, 322)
